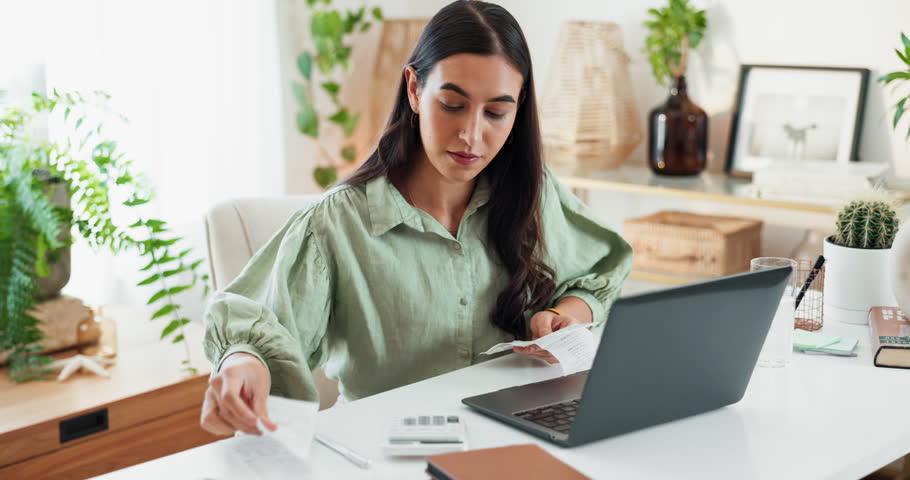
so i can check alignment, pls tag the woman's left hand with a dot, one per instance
(544, 323)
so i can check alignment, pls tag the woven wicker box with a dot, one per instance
(688, 243)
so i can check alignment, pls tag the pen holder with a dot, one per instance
(810, 312)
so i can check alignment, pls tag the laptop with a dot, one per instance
(663, 356)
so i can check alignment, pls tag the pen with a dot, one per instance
(815, 269)
(345, 452)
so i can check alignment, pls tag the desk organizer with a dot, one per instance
(810, 312)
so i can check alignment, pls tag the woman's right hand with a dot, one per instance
(236, 397)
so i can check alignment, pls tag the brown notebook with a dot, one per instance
(890, 330)
(525, 462)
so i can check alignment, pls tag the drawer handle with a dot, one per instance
(87, 424)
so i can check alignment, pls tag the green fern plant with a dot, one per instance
(93, 169)
(867, 223)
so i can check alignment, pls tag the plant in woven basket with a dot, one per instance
(868, 223)
(673, 31)
(95, 173)
(332, 57)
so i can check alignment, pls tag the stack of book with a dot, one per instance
(890, 331)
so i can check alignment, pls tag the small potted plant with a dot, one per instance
(857, 258)
(678, 128)
(53, 193)
(900, 263)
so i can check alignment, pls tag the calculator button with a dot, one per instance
(439, 420)
(452, 419)
(423, 420)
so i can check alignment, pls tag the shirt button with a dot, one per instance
(464, 301)
(456, 246)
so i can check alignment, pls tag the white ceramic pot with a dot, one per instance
(900, 268)
(856, 279)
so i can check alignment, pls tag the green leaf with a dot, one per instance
(164, 311)
(178, 339)
(899, 112)
(196, 265)
(377, 13)
(351, 125)
(331, 88)
(366, 26)
(890, 77)
(181, 288)
(340, 117)
(155, 223)
(902, 56)
(325, 176)
(308, 122)
(79, 123)
(172, 272)
(173, 326)
(157, 296)
(136, 201)
(305, 64)
(42, 269)
(148, 281)
(310, 3)
(905, 40)
(348, 153)
(299, 94)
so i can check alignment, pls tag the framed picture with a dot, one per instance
(796, 117)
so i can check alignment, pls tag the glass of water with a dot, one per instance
(778, 347)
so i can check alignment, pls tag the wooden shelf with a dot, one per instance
(709, 186)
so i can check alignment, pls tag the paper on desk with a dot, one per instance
(573, 346)
(282, 453)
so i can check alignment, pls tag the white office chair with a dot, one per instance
(235, 230)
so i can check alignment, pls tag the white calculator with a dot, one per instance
(420, 435)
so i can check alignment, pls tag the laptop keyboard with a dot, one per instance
(558, 416)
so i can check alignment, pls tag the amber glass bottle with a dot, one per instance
(678, 134)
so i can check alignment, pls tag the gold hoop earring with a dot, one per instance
(413, 120)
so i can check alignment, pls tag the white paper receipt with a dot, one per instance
(573, 346)
(282, 453)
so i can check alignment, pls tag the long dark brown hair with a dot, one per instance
(516, 174)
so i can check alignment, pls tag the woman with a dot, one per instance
(451, 238)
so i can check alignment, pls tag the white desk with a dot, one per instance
(821, 417)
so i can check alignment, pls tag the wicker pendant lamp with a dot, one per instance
(589, 117)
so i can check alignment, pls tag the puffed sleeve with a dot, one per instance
(591, 261)
(277, 309)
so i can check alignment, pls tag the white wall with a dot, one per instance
(807, 32)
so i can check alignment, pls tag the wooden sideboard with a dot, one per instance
(89, 425)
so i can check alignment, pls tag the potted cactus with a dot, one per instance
(858, 256)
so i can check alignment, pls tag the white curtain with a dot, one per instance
(200, 84)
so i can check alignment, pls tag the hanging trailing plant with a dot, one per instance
(331, 31)
(93, 169)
